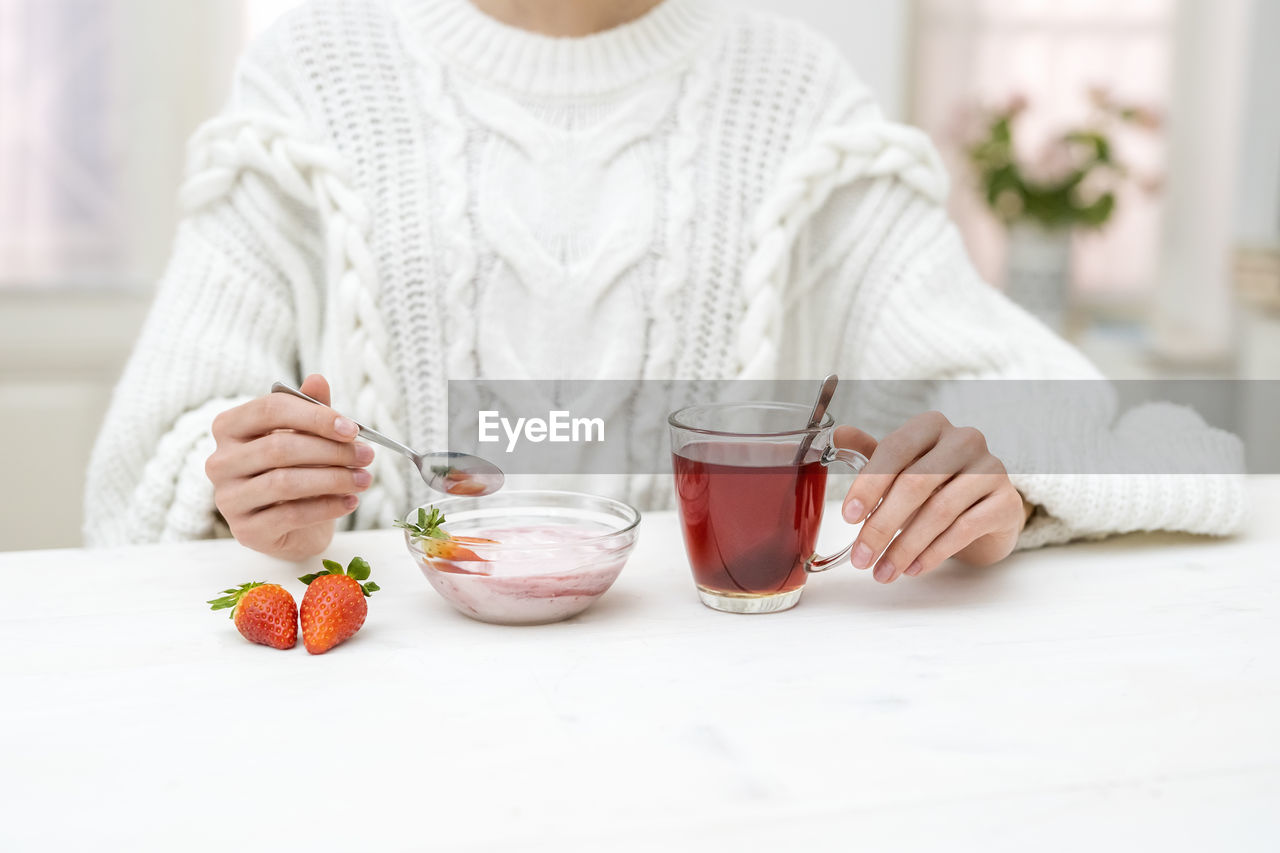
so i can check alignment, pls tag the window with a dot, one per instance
(97, 98)
(60, 197)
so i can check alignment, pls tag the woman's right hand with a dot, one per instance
(285, 469)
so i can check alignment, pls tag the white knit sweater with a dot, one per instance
(404, 191)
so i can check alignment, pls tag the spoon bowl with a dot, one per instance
(446, 471)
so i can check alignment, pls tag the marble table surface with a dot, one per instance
(1112, 695)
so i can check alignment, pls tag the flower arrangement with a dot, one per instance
(1073, 180)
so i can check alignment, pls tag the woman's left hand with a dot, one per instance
(940, 486)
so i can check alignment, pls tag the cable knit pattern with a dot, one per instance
(459, 256)
(686, 141)
(354, 355)
(401, 192)
(839, 156)
(681, 169)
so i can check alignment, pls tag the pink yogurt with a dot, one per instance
(538, 574)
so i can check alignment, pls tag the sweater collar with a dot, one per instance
(463, 36)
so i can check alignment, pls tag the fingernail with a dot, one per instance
(345, 426)
(862, 556)
(884, 571)
(350, 502)
(853, 511)
(364, 454)
(362, 478)
(915, 568)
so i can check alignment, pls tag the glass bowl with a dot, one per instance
(556, 553)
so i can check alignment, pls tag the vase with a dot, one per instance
(1038, 271)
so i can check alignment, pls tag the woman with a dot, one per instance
(413, 190)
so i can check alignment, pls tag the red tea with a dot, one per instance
(750, 515)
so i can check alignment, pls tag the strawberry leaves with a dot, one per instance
(429, 525)
(438, 542)
(231, 598)
(358, 569)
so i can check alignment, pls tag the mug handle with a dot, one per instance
(855, 462)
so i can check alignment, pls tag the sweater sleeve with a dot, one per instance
(882, 287)
(221, 329)
(235, 310)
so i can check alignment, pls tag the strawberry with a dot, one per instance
(465, 487)
(334, 607)
(263, 613)
(458, 482)
(437, 542)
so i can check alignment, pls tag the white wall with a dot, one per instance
(874, 34)
(174, 71)
(1258, 199)
(1194, 306)
(60, 355)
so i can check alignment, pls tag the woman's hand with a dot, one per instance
(941, 487)
(285, 469)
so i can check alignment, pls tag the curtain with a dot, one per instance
(96, 100)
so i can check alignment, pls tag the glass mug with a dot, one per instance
(750, 483)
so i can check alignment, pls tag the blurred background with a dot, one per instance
(1117, 170)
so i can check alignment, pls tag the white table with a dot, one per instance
(1117, 695)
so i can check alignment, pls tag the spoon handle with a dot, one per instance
(365, 432)
(825, 394)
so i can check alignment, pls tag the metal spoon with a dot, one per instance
(445, 471)
(825, 394)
